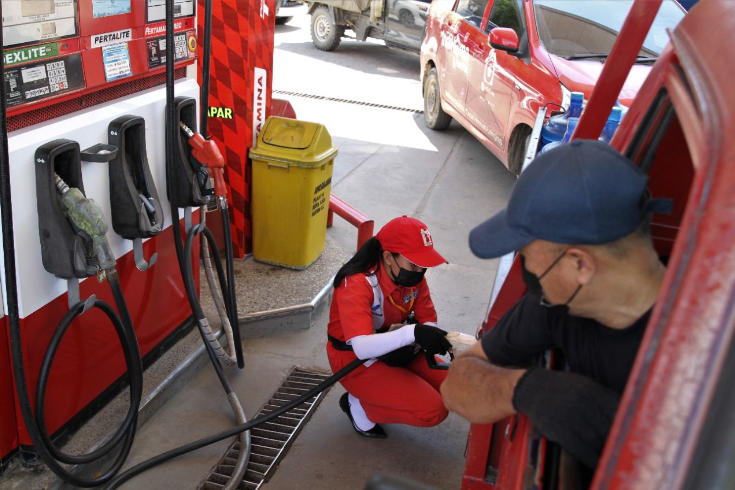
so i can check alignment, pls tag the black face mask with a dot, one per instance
(408, 279)
(533, 283)
(531, 280)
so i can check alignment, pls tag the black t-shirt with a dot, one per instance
(592, 349)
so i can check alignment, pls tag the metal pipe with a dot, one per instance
(617, 67)
(365, 226)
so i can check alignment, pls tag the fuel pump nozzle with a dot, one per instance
(207, 153)
(86, 215)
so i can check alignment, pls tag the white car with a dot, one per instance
(410, 12)
(286, 9)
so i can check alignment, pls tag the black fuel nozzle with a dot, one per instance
(190, 184)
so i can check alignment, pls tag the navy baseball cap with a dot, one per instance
(584, 193)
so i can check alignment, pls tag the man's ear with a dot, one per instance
(387, 257)
(585, 264)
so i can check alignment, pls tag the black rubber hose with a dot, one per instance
(135, 374)
(228, 294)
(206, 57)
(36, 424)
(211, 243)
(11, 291)
(192, 446)
(231, 291)
(196, 307)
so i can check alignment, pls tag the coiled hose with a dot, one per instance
(227, 287)
(36, 424)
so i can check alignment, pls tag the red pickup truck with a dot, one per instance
(674, 428)
(490, 64)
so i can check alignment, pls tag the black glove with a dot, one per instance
(400, 357)
(570, 409)
(431, 339)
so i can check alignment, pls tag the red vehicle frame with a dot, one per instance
(674, 427)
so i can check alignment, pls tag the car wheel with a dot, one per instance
(324, 34)
(519, 142)
(434, 115)
(406, 18)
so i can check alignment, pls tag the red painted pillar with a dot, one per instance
(240, 95)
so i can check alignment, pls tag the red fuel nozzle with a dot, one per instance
(207, 153)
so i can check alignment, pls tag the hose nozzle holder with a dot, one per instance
(192, 185)
(136, 207)
(66, 251)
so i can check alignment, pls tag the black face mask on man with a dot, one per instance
(533, 283)
(408, 279)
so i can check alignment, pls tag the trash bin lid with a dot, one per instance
(294, 142)
(289, 133)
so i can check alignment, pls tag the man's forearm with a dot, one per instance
(480, 391)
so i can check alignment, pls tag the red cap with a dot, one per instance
(411, 238)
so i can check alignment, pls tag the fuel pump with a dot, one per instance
(73, 231)
(73, 241)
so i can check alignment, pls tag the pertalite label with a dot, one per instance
(111, 38)
(25, 55)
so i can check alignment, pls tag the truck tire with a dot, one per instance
(324, 34)
(434, 116)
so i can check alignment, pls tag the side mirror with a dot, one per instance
(504, 39)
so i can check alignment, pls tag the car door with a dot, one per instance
(453, 53)
(493, 88)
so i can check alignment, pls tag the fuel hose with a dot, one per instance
(36, 425)
(184, 258)
(193, 446)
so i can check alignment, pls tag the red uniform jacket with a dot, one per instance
(350, 314)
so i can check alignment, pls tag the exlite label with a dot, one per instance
(34, 53)
(100, 40)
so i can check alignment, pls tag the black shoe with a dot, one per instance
(376, 432)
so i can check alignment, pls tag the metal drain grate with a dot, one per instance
(270, 441)
(347, 101)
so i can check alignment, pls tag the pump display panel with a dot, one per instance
(32, 21)
(156, 9)
(58, 50)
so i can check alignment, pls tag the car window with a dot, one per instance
(507, 13)
(472, 11)
(572, 28)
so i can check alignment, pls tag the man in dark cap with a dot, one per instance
(579, 217)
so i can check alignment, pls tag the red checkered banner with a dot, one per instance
(240, 95)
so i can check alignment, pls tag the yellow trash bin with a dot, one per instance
(292, 176)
